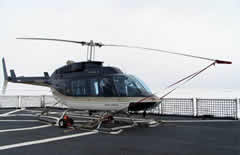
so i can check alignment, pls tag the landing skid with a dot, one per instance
(103, 122)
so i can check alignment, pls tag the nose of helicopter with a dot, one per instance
(144, 104)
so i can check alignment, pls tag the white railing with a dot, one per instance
(198, 107)
(170, 106)
(28, 101)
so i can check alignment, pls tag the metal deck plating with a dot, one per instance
(21, 133)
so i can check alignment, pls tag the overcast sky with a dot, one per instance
(208, 28)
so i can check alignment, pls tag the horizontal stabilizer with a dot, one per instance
(13, 75)
(46, 75)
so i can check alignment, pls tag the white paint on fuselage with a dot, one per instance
(98, 103)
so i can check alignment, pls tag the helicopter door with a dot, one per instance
(120, 84)
(107, 87)
(85, 87)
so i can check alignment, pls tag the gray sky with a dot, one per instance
(208, 28)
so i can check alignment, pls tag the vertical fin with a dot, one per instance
(5, 77)
(4, 70)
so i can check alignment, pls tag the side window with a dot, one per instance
(120, 84)
(79, 88)
(85, 87)
(107, 87)
(94, 87)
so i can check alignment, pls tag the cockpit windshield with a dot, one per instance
(130, 86)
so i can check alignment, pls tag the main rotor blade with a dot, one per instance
(175, 53)
(127, 46)
(52, 39)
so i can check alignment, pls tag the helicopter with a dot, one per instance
(89, 85)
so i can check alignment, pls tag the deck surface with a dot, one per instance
(25, 135)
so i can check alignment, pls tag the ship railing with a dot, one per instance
(193, 107)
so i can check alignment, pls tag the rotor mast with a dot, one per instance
(91, 51)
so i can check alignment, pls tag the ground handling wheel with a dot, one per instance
(65, 122)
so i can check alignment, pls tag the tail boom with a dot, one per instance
(37, 81)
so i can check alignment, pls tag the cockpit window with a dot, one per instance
(141, 84)
(130, 86)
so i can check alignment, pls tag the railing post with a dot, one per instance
(196, 105)
(43, 101)
(237, 108)
(159, 109)
(162, 112)
(19, 101)
(193, 107)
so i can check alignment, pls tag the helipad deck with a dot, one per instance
(24, 134)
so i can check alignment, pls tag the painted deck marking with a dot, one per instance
(5, 147)
(11, 112)
(19, 121)
(13, 115)
(23, 129)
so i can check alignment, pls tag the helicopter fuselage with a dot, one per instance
(91, 86)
